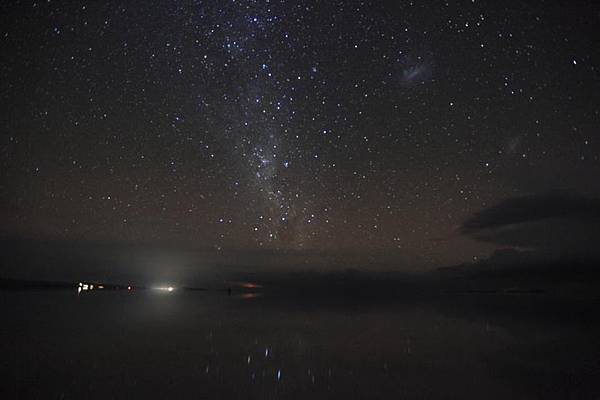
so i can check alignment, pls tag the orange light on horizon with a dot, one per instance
(246, 285)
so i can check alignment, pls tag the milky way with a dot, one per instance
(340, 127)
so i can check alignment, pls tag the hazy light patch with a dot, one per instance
(164, 289)
(245, 285)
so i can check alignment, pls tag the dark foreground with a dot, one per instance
(116, 344)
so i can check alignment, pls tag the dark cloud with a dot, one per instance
(556, 223)
(534, 208)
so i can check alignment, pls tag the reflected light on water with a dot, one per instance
(248, 296)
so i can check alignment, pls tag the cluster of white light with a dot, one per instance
(87, 286)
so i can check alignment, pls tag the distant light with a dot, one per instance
(247, 285)
(128, 287)
(165, 288)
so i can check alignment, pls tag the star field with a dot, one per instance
(350, 126)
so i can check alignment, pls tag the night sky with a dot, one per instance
(374, 128)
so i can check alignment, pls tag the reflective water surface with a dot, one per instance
(211, 345)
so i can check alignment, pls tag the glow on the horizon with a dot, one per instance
(165, 288)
